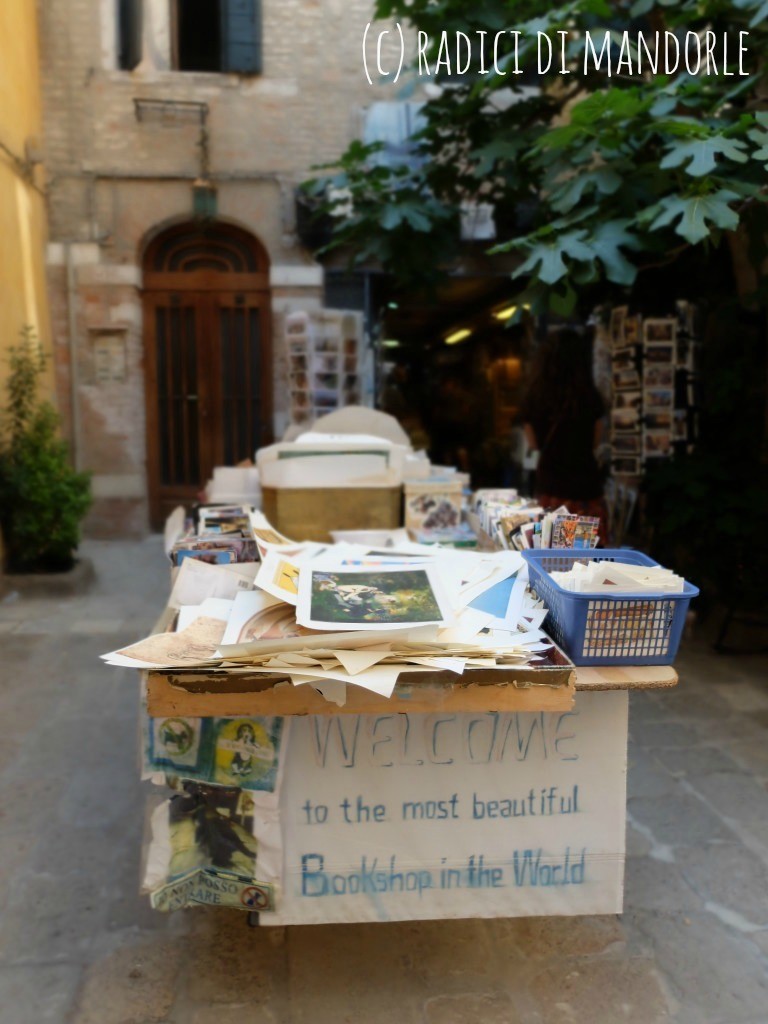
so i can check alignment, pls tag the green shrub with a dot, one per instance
(42, 498)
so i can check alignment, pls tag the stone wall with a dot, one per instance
(118, 176)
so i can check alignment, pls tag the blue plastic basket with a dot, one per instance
(593, 629)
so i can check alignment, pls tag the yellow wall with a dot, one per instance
(23, 298)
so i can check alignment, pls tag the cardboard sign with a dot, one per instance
(406, 817)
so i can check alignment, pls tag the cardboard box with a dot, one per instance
(310, 513)
(433, 504)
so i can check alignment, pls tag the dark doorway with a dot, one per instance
(207, 358)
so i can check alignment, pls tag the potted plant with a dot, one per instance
(42, 498)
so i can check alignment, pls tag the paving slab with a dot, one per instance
(78, 945)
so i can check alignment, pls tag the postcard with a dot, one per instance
(680, 425)
(325, 363)
(626, 444)
(658, 420)
(220, 557)
(659, 398)
(629, 400)
(626, 466)
(658, 376)
(279, 576)
(657, 443)
(300, 399)
(632, 326)
(616, 326)
(625, 419)
(659, 353)
(246, 753)
(370, 599)
(660, 330)
(623, 360)
(626, 378)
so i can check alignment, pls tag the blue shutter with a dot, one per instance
(241, 36)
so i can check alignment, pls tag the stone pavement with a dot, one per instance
(79, 946)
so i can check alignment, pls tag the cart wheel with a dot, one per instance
(253, 919)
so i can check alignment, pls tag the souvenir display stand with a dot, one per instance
(490, 794)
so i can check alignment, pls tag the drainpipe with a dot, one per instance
(74, 374)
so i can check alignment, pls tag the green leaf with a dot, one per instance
(604, 181)
(487, 156)
(549, 260)
(701, 154)
(695, 215)
(606, 243)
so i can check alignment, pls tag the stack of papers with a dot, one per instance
(615, 578)
(339, 614)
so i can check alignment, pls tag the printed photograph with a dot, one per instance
(659, 398)
(626, 444)
(297, 362)
(624, 360)
(212, 827)
(655, 376)
(624, 379)
(329, 343)
(629, 400)
(632, 327)
(657, 443)
(247, 752)
(658, 420)
(300, 399)
(325, 363)
(659, 330)
(680, 425)
(175, 742)
(298, 324)
(661, 353)
(625, 419)
(221, 557)
(350, 346)
(298, 346)
(389, 597)
(350, 364)
(616, 326)
(626, 466)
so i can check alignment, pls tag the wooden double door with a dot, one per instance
(207, 360)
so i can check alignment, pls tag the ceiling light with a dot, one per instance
(509, 311)
(390, 343)
(457, 336)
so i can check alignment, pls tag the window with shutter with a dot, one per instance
(129, 31)
(218, 35)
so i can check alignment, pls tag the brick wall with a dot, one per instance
(115, 181)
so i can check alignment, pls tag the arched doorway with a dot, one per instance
(207, 337)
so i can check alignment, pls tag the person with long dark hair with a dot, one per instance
(562, 413)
